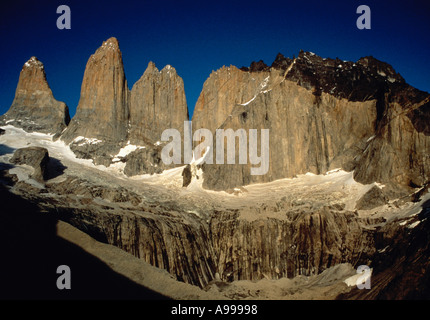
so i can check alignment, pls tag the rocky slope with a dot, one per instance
(292, 228)
(34, 107)
(322, 114)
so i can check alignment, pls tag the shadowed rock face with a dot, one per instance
(304, 243)
(35, 157)
(322, 114)
(34, 107)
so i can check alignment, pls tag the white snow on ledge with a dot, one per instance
(129, 148)
(371, 138)
(262, 85)
(82, 140)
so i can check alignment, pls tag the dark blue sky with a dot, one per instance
(197, 37)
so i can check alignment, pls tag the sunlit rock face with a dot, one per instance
(34, 107)
(321, 114)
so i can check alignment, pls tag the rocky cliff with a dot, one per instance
(300, 243)
(157, 103)
(102, 112)
(34, 107)
(322, 114)
(110, 117)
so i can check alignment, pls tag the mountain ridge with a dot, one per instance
(112, 118)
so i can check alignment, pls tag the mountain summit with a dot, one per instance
(34, 107)
(102, 111)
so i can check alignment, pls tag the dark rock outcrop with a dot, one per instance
(372, 199)
(35, 157)
(143, 161)
(187, 176)
(281, 62)
(34, 107)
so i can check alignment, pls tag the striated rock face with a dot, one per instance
(157, 102)
(34, 107)
(399, 153)
(306, 134)
(322, 114)
(110, 117)
(221, 92)
(102, 111)
(303, 243)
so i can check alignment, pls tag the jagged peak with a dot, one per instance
(33, 62)
(281, 62)
(110, 47)
(151, 68)
(111, 43)
(381, 68)
(168, 69)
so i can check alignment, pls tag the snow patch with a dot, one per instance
(371, 138)
(262, 85)
(124, 151)
(333, 171)
(82, 140)
(413, 225)
(379, 185)
(23, 173)
(246, 103)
